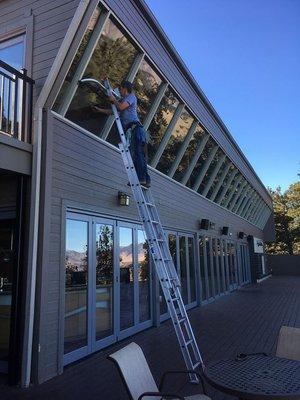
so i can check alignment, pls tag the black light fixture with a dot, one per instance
(124, 199)
(204, 224)
(225, 230)
(241, 235)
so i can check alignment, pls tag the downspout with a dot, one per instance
(35, 191)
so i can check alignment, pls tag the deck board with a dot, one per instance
(245, 321)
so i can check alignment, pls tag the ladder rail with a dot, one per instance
(161, 255)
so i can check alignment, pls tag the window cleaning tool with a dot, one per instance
(158, 244)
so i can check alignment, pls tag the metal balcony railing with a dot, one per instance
(16, 90)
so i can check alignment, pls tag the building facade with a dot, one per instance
(75, 271)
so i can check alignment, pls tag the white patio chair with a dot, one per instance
(288, 345)
(138, 378)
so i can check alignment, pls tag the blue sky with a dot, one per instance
(245, 56)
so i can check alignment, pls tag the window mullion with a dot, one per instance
(231, 193)
(88, 52)
(195, 158)
(183, 148)
(221, 181)
(205, 167)
(226, 187)
(167, 135)
(160, 94)
(239, 197)
(213, 175)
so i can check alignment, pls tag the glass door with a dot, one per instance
(89, 317)
(6, 283)
(11, 233)
(135, 299)
(103, 292)
(232, 266)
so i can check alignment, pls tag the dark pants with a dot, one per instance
(138, 154)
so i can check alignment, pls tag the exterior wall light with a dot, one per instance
(123, 199)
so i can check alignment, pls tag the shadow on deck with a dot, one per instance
(245, 321)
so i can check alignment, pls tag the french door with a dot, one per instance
(108, 292)
(244, 264)
(182, 249)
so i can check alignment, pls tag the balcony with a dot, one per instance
(16, 89)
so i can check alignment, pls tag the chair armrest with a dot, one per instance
(161, 395)
(187, 371)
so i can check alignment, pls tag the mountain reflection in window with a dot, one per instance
(76, 266)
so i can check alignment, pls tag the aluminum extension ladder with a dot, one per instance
(161, 255)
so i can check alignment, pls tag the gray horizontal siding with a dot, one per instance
(132, 18)
(88, 173)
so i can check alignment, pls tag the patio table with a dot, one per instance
(258, 376)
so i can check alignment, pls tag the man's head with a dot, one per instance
(125, 88)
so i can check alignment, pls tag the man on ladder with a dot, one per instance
(135, 133)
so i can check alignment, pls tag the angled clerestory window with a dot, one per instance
(178, 135)
(113, 56)
(160, 121)
(146, 85)
(210, 171)
(177, 144)
(200, 162)
(189, 153)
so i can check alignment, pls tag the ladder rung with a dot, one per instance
(159, 240)
(188, 342)
(154, 222)
(149, 204)
(181, 320)
(196, 365)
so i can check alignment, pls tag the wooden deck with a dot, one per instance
(245, 321)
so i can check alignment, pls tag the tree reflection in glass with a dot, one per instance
(178, 135)
(210, 170)
(76, 266)
(146, 85)
(201, 160)
(113, 57)
(104, 280)
(160, 122)
(126, 278)
(143, 276)
(189, 153)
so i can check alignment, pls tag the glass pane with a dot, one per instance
(209, 269)
(225, 183)
(6, 283)
(202, 269)
(144, 277)
(76, 265)
(104, 280)
(178, 135)
(221, 269)
(173, 251)
(146, 85)
(192, 269)
(189, 153)
(215, 267)
(113, 57)
(229, 190)
(200, 163)
(160, 122)
(183, 268)
(12, 52)
(126, 278)
(217, 178)
(210, 170)
(87, 35)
